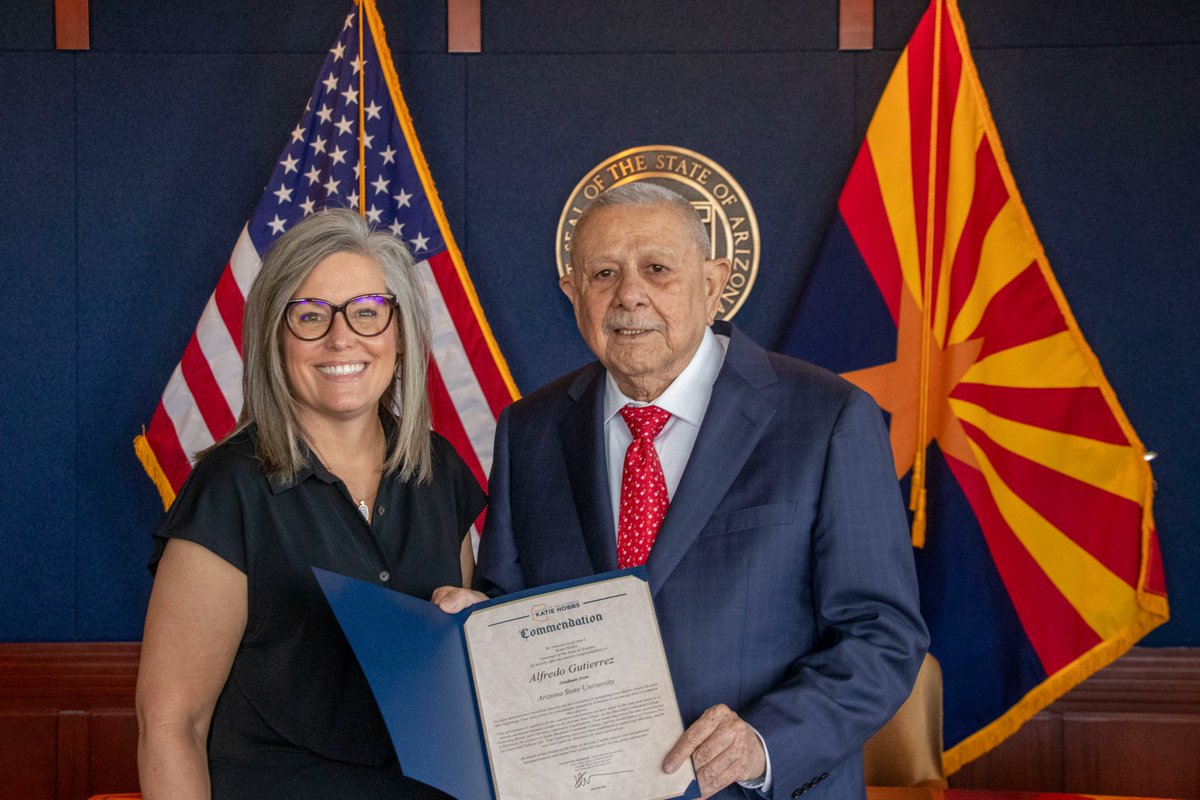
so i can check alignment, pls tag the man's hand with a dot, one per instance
(723, 748)
(453, 599)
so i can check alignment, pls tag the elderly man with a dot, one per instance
(758, 491)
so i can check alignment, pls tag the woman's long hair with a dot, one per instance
(267, 396)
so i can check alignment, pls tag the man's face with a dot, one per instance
(643, 294)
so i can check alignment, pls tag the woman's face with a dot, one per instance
(342, 375)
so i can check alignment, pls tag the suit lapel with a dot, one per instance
(736, 418)
(583, 447)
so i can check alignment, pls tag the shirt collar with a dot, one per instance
(687, 396)
(313, 467)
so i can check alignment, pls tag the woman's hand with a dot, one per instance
(453, 599)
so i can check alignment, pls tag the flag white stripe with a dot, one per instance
(222, 355)
(190, 428)
(457, 372)
(244, 261)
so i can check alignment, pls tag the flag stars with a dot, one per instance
(326, 114)
(373, 110)
(402, 199)
(420, 243)
(374, 214)
(298, 134)
(349, 21)
(352, 199)
(289, 164)
(338, 156)
(344, 126)
(330, 83)
(284, 193)
(351, 96)
(397, 228)
(318, 144)
(389, 155)
(308, 205)
(277, 225)
(337, 52)
(380, 184)
(331, 186)
(357, 64)
(367, 140)
(313, 174)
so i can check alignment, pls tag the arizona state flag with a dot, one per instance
(1030, 492)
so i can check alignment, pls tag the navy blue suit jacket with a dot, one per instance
(782, 575)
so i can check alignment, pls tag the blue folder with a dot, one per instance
(415, 658)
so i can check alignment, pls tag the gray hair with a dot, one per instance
(645, 193)
(267, 395)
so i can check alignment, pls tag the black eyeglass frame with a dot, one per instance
(334, 309)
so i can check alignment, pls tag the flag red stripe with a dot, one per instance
(865, 215)
(1022, 312)
(989, 196)
(230, 304)
(1098, 521)
(1057, 632)
(446, 422)
(454, 295)
(164, 441)
(1079, 410)
(200, 381)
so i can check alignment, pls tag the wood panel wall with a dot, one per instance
(67, 728)
(1131, 729)
(67, 725)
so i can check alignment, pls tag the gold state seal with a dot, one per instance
(719, 200)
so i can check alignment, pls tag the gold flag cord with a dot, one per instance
(918, 497)
(362, 123)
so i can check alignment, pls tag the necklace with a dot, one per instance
(364, 509)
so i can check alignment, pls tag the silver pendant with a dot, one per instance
(362, 509)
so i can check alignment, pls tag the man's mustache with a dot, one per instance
(614, 324)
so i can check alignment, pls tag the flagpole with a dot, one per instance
(362, 122)
(918, 497)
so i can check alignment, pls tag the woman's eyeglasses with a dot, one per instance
(310, 318)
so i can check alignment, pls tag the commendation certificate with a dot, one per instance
(557, 692)
(574, 694)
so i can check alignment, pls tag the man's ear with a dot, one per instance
(567, 284)
(716, 273)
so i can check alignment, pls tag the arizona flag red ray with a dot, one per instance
(1031, 493)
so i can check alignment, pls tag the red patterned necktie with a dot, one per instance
(644, 498)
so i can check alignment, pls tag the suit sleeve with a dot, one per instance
(499, 568)
(865, 607)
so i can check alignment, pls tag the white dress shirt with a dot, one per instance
(686, 399)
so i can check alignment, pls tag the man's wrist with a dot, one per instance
(761, 784)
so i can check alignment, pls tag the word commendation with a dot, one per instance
(566, 624)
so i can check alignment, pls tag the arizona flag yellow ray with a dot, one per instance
(1037, 552)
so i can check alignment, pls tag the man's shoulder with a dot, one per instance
(559, 394)
(794, 378)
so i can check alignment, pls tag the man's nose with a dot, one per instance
(631, 288)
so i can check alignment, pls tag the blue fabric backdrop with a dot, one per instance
(127, 171)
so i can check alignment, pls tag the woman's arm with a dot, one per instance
(194, 624)
(466, 561)
(453, 599)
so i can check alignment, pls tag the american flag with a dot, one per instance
(356, 109)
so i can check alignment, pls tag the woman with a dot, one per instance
(247, 687)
